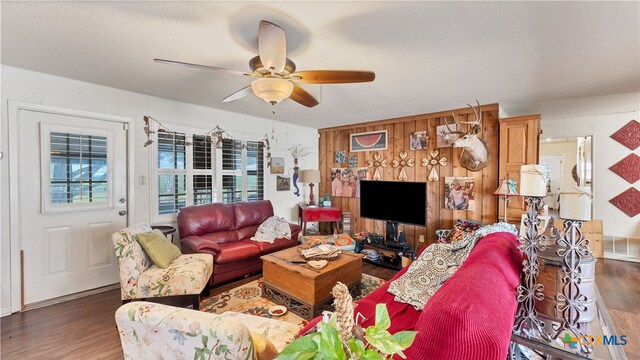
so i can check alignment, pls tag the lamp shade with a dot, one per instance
(507, 188)
(272, 90)
(310, 176)
(575, 203)
(532, 181)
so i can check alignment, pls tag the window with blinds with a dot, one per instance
(242, 171)
(255, 171)
(172, 184)
(231, 171)
(201, 167)
(78, 168)
(202, 174)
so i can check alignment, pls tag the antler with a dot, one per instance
(476, 122)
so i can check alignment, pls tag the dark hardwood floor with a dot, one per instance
(85, 328)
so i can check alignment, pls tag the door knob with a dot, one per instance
(122, 212)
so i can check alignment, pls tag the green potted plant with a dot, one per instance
(341, 339)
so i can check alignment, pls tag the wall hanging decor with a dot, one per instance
(628, 168)
(628, 135)
(298, 152)
(283, 183)
(277, 165)
(375, 164)
(475, 154)
(352, 161)
(459, 193)
(373, 140)
(419, 140)
(433, 162)
(402, 164)
(341, 156)
(628, 202)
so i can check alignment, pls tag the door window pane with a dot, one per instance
(78, 169)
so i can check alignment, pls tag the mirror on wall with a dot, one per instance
(568, 162)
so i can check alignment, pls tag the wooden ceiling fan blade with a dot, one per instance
(272, 46)
(302, 97)
(201, 67)
(238, 94)
(333, 76)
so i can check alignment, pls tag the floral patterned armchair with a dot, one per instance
(157, 331)
(140, 279)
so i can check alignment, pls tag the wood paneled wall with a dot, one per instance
(399, 130)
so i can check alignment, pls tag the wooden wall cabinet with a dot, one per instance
(519, 145)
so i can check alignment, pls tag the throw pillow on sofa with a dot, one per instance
(159, 249)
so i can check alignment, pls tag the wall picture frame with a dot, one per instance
(283, 183)
(277, 165)
(368, 141)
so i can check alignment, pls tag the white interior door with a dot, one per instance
(72, 173)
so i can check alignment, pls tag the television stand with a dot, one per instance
(391, 256)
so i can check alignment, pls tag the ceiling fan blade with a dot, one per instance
(333, 76)
(302, 97)
(272, 46)
(238, 94)
(201, 67)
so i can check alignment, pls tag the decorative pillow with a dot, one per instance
(159, 249)
(461, 228)
(265, 350)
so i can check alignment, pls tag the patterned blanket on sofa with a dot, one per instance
(437, 264)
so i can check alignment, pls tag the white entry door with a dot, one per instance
(72, 173)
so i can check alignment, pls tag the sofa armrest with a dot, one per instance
(295, 231)
(197, 244)
(147, 328)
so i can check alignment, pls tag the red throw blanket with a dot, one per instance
(469, 317)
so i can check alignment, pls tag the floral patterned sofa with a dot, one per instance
(157, 331)
(140, 278)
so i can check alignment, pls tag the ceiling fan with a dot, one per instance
(275, 75)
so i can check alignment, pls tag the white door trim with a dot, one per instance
(14, 108)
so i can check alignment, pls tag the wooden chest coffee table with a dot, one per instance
(303, 290)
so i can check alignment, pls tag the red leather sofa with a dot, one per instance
(470, 317)
(224, 230)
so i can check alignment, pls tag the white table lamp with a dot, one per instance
(310, 177)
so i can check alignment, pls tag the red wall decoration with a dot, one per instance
(628, 168)
(628, 202)
(628, 135)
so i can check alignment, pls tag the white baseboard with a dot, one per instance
(5, 310)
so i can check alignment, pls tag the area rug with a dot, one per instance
(248, 299)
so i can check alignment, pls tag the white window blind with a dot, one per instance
(255, 171)
(202, 174)
(231, 171)
(172, 184)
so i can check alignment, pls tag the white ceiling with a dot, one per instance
(428, 56)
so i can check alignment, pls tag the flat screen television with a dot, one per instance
(396, 201)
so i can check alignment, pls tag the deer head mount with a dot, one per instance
(475, 154)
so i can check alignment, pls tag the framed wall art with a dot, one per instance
(277, 165)
(373, 140)
(283, 183)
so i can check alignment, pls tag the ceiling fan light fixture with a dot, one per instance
(272, 90)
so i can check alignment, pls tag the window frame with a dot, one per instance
(216, 171)
(46, 206)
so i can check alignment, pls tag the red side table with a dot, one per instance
(318, 214)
